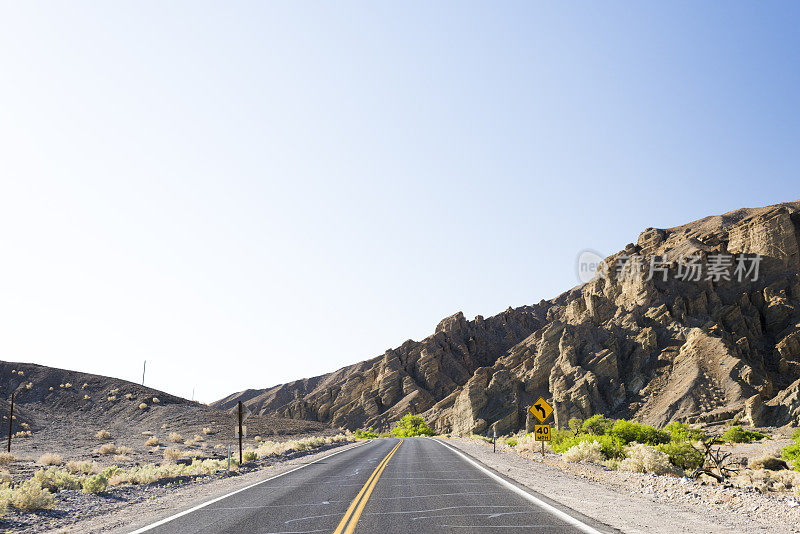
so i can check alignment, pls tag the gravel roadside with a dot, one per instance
(130, 507)
(639, 503)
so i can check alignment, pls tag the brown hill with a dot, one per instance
(651, 349)
(64, 410)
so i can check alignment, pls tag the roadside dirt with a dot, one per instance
(125, 508)
(639, 503)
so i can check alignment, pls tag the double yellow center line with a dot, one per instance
(348, 523)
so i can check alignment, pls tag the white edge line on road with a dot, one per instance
(212, 501)
(550, 508)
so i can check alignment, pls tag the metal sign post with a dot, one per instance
(10, 419)
(494, 440)
(240, 432)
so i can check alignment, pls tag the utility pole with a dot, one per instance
(240, 432)
(144, 368)
(10, 419)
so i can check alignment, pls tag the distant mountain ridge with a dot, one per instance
(649, 349)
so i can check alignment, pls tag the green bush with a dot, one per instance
(95, 483)
(365, 434)
(683, 432)
(683, 455)
(610, 446)
(597, 425)
(249, 456)
(736, 434)
(31, 496)
(629, 432)
(411, 425)
(575, 425)
(511, 442)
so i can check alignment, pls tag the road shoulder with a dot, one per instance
(128, 517)
(619, 507)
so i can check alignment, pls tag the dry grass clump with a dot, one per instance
(111, 398)
(22, 434)
(147, 433)
(270, 448)
(81, 468)
(174, 437)
(770, 462)
(124, 450)
(143, 406)
(113, 391)
(85, 385)
(122, 458)
(766, 480)
(49, 458)
(5, 477)
(30, 496)
(172, 455)
(207, 431)
(29, 385)
(55, 479)
(129, 396)
(155, 400)
(152, 441)
(86, 397)
(103, 434)
(6, 458)
(646, 459)
(585, 451)
(107, 448)
(67, 385)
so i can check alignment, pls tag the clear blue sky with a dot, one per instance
(245, 193)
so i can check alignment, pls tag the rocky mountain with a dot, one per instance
(697, 323)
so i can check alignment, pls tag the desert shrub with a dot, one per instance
(86, 397)
(103, 434)
(107, 448)
(597, 425)
(124, 450)
(172, 454)
(736, 434)
(207, 431)
(5, 477)
(249, 456)
(629, 432)
(111, 398)
(681, 454)
(129, 396)
(6, 458)
(22, 434)
(198, 437)
(156, 400)
(585, 451)
(81, 468)
(95, 483)
(152, 441)
(20, 373)
(57, 479)
(683, 432)
(143, 406)
(31, 496)
(511, 442)
(49, 458)
(67, 385)
(768, 462)
(646, 459)
(369, 433)
(174, 437)
(411, 425)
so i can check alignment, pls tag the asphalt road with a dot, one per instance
(386, 486)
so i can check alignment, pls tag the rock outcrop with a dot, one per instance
(646, 340)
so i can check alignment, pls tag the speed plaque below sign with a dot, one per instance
(541, 432)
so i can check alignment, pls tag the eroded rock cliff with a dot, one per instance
(654, 348)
